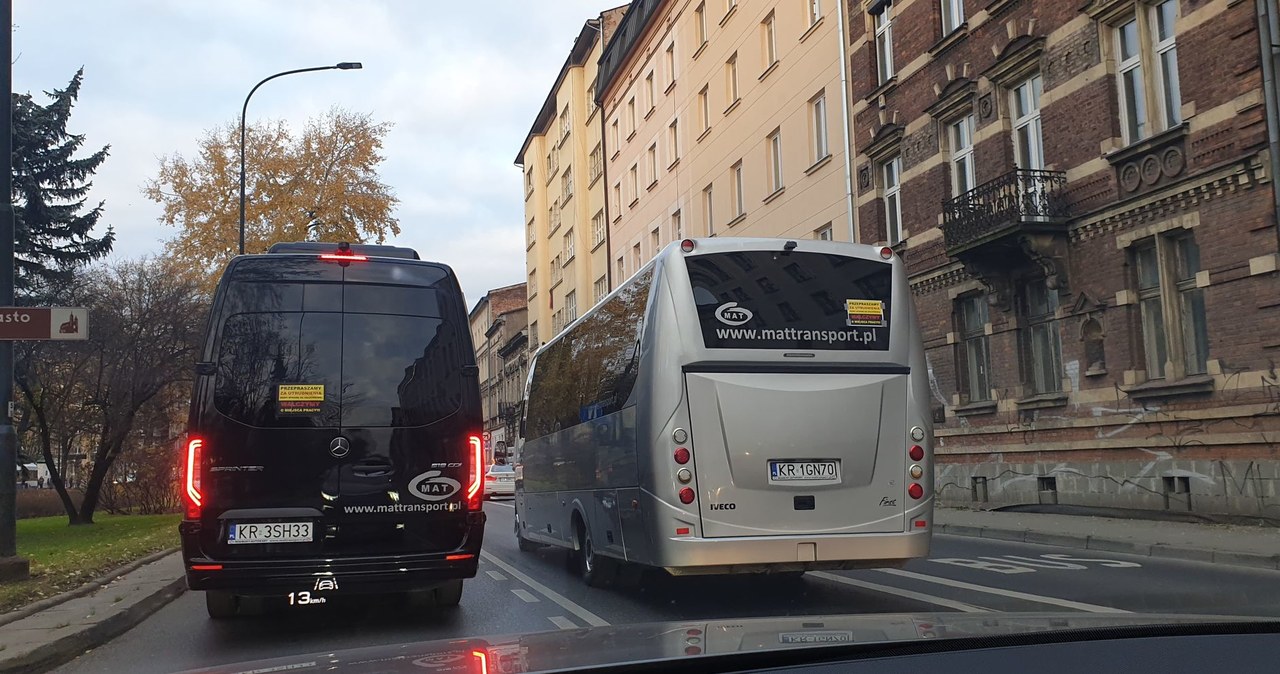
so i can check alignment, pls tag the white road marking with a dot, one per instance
(524, 594)
(562, 622)
(1065, 603)
(504, 505)
(586, 616)
(495, 575)
(899, 592)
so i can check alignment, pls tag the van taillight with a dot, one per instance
(195, 497)
(475, 473)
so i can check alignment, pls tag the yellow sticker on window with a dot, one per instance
(865, 313)
(300, 398)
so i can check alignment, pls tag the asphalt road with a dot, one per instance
(528, 592)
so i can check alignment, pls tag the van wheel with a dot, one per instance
(596, 570)
(523, 543)
(221, 605)
(449, 594)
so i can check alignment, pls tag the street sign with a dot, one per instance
(43, 323)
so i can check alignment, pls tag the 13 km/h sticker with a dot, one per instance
(300, 398)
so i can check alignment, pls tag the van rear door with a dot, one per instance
(811, 443)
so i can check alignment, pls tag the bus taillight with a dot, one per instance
(681, 456)
(916, 453)
(915, 491)
(686, 496)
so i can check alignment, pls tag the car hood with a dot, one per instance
(618, 644)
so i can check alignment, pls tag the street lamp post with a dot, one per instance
(345, 65)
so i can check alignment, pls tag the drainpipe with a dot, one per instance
(604, 170)
(1269, 42)
(844, 114)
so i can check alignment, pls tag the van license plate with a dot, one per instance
(270, 532)
(811, 472)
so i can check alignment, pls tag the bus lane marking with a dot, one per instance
(899, 592)
(578, 610)
(1012, 594)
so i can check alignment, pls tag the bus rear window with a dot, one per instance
(807, 301)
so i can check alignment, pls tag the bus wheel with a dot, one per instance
(596, 570)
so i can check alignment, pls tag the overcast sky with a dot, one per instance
(460, 81)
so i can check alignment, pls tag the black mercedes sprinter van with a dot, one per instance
(334, 442)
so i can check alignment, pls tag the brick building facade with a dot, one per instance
(499, 326)
(1082, 192)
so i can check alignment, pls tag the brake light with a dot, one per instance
(195, 497)
(687, 245)
(334, 257)
(886, 253)
(915, 491)
(916, 453)
(475, 485)
(686, 495)
(681, 456)
(482, 661)
(490, 478)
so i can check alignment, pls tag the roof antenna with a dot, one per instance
(788, 247)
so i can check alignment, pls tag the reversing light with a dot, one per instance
(915, 471)
(195, 498)
(916, 453)
(681, 456)
(686, 496)
(687, 245)
(475, 485)
(684, 476)
(915, 491)
(886, 253)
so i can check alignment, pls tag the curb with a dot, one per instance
(68, 647)
(88, 588)
(1102, 544)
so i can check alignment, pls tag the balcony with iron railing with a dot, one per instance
(1022, 201)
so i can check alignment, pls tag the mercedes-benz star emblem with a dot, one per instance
(339, 447)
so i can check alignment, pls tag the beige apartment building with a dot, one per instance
(724, 118)
(563, 162)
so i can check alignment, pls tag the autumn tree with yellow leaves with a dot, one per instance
(320, 186)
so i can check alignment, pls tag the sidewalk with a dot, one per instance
(55, 632)
(1251, 546)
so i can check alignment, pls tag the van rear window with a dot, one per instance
(808, 301)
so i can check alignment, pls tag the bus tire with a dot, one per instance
(221, 605)
(596, 570)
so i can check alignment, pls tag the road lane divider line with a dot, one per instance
(583, 614)
(562, 622)
(899, 592)
(1013, 594)
(504, 505)
(525, 595)
(496, 575)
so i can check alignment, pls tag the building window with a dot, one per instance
(952, 15)
(677, 230)
(655, 241)
(673, 140)
(1170, 305)
(633, 182)
(973, 364)
(631, 118)
(650, 91)
(566, 185)
(731, 78)
(775, 161)
(597, 229)
(815, 11)
(884, 44)
(1040, 345)
(704, 108)
(636, 259)
(1145, 44)
(557, 271)
(739, 201)
(569, 248)
(652, 159)
(595, 163)
(564, 124)
(553, 217)
(708, 209)
(614, 137)
(823, 233)
(622, 270)
(671, 64)
(571, 306)
(617, 200)
(769, 35)
(700, 23)
(1028, 144)
(891, 172)
(818, 115)
(598, 290)
(962, 171)
(528, 183)
(533, 283)
(529, 234)
(557, 322)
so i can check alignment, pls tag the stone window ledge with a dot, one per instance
(1187, 386)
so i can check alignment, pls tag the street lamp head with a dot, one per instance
(349, 65)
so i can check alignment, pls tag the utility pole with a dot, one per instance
(12, 567)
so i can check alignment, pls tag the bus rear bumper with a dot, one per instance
(685, 556)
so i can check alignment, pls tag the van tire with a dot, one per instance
(596, 570)
(523, 543)
(221, 605)
(449, 594)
